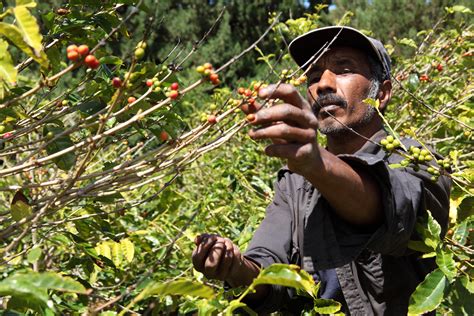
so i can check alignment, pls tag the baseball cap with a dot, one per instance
(304, 47)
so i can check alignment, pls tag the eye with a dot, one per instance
(346, 71)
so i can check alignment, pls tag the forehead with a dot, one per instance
(343, 55)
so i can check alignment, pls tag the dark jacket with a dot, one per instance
(376, 270)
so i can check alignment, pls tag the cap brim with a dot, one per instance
(304, 47)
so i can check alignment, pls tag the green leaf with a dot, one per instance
(229, 311)
(178, 287)
(20, 207)
(51, 281)
(8, 71)
(65, 161)
(29, 28)
(287, 275)
(461, 231)
(419, 246)
(16, 37)
(34, 254)
(428, 294)
(128, 249)
(325, 306)
(116, 251)
(430, 231)
(467, 283)
(26, 3)
(445, 262)
(32, 287)
(90, 107)
(408, 42)
(459, 8)
(111, 60)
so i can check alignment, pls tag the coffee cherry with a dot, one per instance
(207, 66)
(164, 136)
(73, 55)
(174, 86)
(251, 101)
(424, 78)
(139, 53)
(213, 77)
(250, 117)
(431, 170)
(83, 50)
(131, 99)
(212, 119)
(173, 94)
(389, 147)
(50, 135)
(248, 93)
(7, 135)
(241, 91)
(384, 142)
(439, 67)
(71, 48)
(390, 138)
(404, 163)
(396, 143)
(149, 82)
(63, 11)
(141, 44)
(91, 62)
(200, 69)
(117, 82)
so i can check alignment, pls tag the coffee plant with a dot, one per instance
(114, 155)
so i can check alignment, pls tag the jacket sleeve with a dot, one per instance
(271, 244)
(406, 195)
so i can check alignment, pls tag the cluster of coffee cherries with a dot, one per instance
(207, 70)
(76, 53)
(390, 143)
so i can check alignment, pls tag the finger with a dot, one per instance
(214, 258)
(286, 132)
(285, 92)
(198, 239)
(226, 264)
(289, 151)
(201, 252)
(237, 261)
(250, 107)
(287, 113)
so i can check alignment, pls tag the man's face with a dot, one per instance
(337, 85)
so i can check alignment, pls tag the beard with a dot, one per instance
(334, 128)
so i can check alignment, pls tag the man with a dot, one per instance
(340, 211)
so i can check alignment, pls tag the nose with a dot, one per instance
(327, 83)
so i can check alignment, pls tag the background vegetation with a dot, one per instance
(101, 198)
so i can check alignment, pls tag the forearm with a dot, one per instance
(353, 193)
(244, 276)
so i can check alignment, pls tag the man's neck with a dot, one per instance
(350, 142)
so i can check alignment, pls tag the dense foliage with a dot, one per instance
(113, 158)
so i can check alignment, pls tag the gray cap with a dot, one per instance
(305, 46)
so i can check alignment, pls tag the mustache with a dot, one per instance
(328, 99)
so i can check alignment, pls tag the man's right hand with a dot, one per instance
(219, 258)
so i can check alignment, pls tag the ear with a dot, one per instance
(385, 94)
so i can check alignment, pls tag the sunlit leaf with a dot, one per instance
(428, 294)
(20, 207)
(287, 275)
(446, 263)
(29, 28)
(326, 306)
(8, 72)
(178, 287)
(128, 249)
